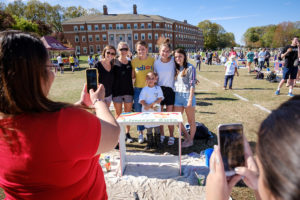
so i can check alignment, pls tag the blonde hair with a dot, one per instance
(121, 44)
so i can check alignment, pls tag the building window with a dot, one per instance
(117, 26)
(142, 36)
(149, 36)
(156, 48)
(121, 26)
(77, 50)
(129, 36)
(142, 25)
(171, 35)
(149, 25)
(96, 27)
(128, 26)
(120, 38)
(103, 27)
(83, 39)
(89, 27)
(136, 36)
(150, 47)
(90, 38)
(97, 37)
(84, 50)
(110, 26)
(104, 37)
(98, 49)
(111, 37)
(82, 28)
(156, 36)
(91, 49)
(75, 28)
(157, 25)
(76, 38)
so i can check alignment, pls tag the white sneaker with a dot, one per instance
(141, 138)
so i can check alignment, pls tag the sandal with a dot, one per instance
(171, 141)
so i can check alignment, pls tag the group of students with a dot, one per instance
(50, 150)
(128, 82)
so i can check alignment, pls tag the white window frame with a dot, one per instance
(97, 38)
(82, 28)
(90, 38)
(77, 50)
(129, 37)
(103, 27)
(84, 50)
(91, 47)
(128, 26)
(98, 48)
(111, 37)
(149, 36)
(89, 27)
(110, 26)
(117, 26)
(75, 28)
(143, 36)
(121, 26)
(96, 27)
(136, 36)
(149, 25)
(156, 36)
(76, 38)
(157, 25)
(104, 37)
(142, 25)
(135, 26)
(83, 38)
(150, 47)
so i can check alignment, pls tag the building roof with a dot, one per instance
(121, 18)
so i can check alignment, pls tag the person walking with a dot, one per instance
(291, 55)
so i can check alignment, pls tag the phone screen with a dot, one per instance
(231, 144)
(91, 78)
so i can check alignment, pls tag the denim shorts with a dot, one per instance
(181, 99)
(124, 98)
(289, 72)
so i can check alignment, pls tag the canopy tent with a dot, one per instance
(53, 45)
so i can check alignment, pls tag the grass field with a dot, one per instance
(214, 106)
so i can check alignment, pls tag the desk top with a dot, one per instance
(150, 118)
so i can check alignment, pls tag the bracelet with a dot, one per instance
(97, 101)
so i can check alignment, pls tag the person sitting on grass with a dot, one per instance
(274, 174)
(230, 71)
(150, 98)
(48, 149)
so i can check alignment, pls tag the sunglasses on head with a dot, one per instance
(110, 53)
(124, 49)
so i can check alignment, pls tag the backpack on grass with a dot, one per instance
(259, 75)
(202, 132)
(272, 77)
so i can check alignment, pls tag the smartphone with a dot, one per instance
(92, 79)
(231, 143)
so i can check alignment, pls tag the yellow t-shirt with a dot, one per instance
(141, 68)
(71, 59)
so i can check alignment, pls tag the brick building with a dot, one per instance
(90, 34)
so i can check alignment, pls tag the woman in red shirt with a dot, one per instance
(48, 149)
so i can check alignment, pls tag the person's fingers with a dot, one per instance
(212, 166)
(91, 92)
(218, 159)
(247, 149)
(243, 171)
(234, 180)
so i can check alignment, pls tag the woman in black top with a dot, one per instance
(106, 76)
(122, 86)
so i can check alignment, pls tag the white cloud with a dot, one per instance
(230, 18)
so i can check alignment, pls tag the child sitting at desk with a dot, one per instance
(150, 98)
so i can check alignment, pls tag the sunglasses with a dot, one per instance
(110, 53)
(124, 49)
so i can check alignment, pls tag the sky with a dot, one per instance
(235, 16)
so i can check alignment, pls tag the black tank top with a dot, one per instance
(105, 77)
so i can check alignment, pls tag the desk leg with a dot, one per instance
(122, 149)
(179, 150)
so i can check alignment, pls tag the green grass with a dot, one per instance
(214, 106)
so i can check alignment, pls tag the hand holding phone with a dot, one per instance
(92, 79)
(231, 143)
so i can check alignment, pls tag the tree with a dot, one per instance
(43, 29)
(25, 25)
(6, 20)
(2, 6)
(73, 11)
(215, 35)
(16, 8)
(93, 11)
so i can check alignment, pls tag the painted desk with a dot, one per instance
(147, 118)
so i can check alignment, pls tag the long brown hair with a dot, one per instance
(23, 68)
(279, 150)
(185, 66)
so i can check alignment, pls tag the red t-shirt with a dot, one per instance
(53, 158)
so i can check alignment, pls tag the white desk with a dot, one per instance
(147, 118)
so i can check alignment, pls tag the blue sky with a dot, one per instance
(234, 15)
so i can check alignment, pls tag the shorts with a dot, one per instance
(72, 64)
(108, 99)
(181, 99)
(61, 64)
(124, 98)
(169, 96)
(249, 60)
(289, 72)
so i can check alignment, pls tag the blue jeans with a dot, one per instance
(137, 106)
(230, 78)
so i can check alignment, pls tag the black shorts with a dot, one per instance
(61, 64)
(72, 64)
(169, 96)
(289, 72)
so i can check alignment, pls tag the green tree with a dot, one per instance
(16, 7)
(73, 11)
(2, 6)
(25, 25)
(6, 21)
